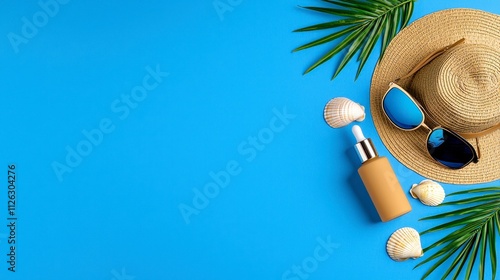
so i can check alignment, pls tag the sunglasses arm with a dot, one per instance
(481, 133)
(478, 149)
(429, 58)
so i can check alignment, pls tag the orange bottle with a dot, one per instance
(379, 180)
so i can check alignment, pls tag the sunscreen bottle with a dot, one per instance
(379, 179)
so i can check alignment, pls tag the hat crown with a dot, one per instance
(461, 88)
(413, 44)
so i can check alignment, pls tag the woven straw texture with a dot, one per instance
(460, 89)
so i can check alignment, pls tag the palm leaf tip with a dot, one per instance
(473, 239)
(358, 25)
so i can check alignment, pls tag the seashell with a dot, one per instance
(341, 111)
(429, 192)
(403, 244)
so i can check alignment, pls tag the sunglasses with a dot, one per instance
(443, 145)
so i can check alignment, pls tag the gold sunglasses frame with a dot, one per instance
(476, 155)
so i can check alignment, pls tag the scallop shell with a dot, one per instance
(341, 111)
(429, 192)
(403, 244)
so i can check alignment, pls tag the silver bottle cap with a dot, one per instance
(366, 150)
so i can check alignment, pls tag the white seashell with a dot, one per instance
(403, 244)
(429, 192)
(341, 111)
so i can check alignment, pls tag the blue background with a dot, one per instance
(117, 215)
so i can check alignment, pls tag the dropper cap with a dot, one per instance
(364, 147)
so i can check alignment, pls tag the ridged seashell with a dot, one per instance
(403, 244)
(429, 192)
(341, 111)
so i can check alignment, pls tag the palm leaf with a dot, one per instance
(493, 253)
(370, 42)
(362, 23)
(473, 239)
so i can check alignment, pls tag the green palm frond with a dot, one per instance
(477, 226)
(363, 23)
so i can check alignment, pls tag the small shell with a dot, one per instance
(403, 244)
(341, 111)
(429, 192)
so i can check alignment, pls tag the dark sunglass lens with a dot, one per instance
(449, 149)
(401, 109)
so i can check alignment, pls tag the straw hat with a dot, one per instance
(460, 89)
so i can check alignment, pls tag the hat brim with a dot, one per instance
(410, 46)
